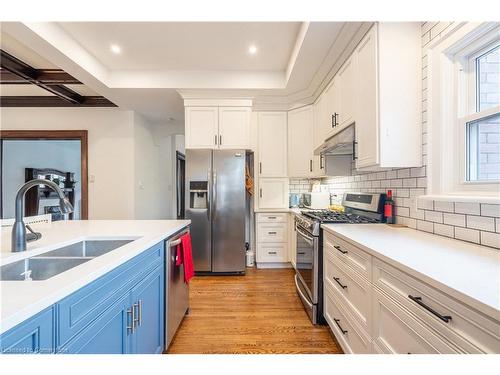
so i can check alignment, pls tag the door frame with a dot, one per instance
(60, 135)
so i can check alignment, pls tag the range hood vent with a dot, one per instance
(340, 144)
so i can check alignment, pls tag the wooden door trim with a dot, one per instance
(81, 135)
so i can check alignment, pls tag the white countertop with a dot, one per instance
(468, 272)
(293, 210)
(22, 299)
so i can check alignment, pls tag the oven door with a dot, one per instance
(307, 263)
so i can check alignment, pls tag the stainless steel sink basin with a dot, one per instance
(41, 268)
(87, 248)
(46, 265)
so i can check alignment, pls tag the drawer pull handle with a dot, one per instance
(301, 253)
(338, 325)
(338, 282)
(418, 301)
(271, 217)
(271, 252)
(271, 232)
(339, 249)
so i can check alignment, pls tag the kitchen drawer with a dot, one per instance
(396, 331)
(271, 252)
(357, 259)
(85, 305)
(270, 232)
(471, 331)
(353, 290)
(272, 217)
(352, 338)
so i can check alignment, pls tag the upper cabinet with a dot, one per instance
(300, 142)
(388, 96)
(272, 144)
(218, 127)
(202, 127)
(234, 127)
(346, 92)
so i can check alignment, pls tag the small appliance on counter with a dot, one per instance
(294, 200)
(316, 200)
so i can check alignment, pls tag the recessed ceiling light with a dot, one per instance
(252, 50)
(115, 48)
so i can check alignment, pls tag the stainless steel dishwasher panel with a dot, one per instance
(176, 290)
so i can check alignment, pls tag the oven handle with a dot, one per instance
(303, 234)
(304, 298)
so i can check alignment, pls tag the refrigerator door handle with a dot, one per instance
(209, 212)
(214, 194)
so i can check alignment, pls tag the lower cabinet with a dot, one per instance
(123, 313)
(272, 240)
(371, 306)
(36, 335)
(109, 334)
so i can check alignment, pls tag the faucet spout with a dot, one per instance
(19, 229)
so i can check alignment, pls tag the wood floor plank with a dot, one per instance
(252, 314)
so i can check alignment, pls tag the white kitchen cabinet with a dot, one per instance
(331, 108)
(366, 297)
(272, 240)
(218, 127)
(202, 127)
(272, 144)
(273, 193)
(292, 241)
(234, 127)
(300, 142)
(347, 85)
(388, 92)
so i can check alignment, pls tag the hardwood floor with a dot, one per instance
(256, 313)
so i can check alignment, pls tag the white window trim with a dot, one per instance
(445, 72)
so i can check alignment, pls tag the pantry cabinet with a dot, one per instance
(387, 91)
(273, 193)
(272, 144)
(300, 142)
(218, 127)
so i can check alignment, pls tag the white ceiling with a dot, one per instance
(294, 62)
(23, 53)
(187, 45)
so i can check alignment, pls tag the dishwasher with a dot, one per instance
(176, 290)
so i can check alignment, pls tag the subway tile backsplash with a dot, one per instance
(472, 222)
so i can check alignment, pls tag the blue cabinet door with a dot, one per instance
(36, 335)
(148, 298)
(106, 335)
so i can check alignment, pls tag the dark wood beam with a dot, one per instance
(45, 76)
(30, 74)
(53, 101)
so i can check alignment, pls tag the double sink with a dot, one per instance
(47, 265)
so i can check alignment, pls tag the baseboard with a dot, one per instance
(274, 265)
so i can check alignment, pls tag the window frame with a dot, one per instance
(451, 88)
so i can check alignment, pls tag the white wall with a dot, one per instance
(21, 154)
(147, 172)
(110, 151)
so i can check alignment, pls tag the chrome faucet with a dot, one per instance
(19, 235)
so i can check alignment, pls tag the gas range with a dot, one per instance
(359, 208)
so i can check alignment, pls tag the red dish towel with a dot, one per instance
(185, 256)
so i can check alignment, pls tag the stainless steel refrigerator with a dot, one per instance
(216, 206)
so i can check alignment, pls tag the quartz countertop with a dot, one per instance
(465, 271)
(21, 300)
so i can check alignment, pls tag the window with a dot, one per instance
(463, 113)
(482, 127)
